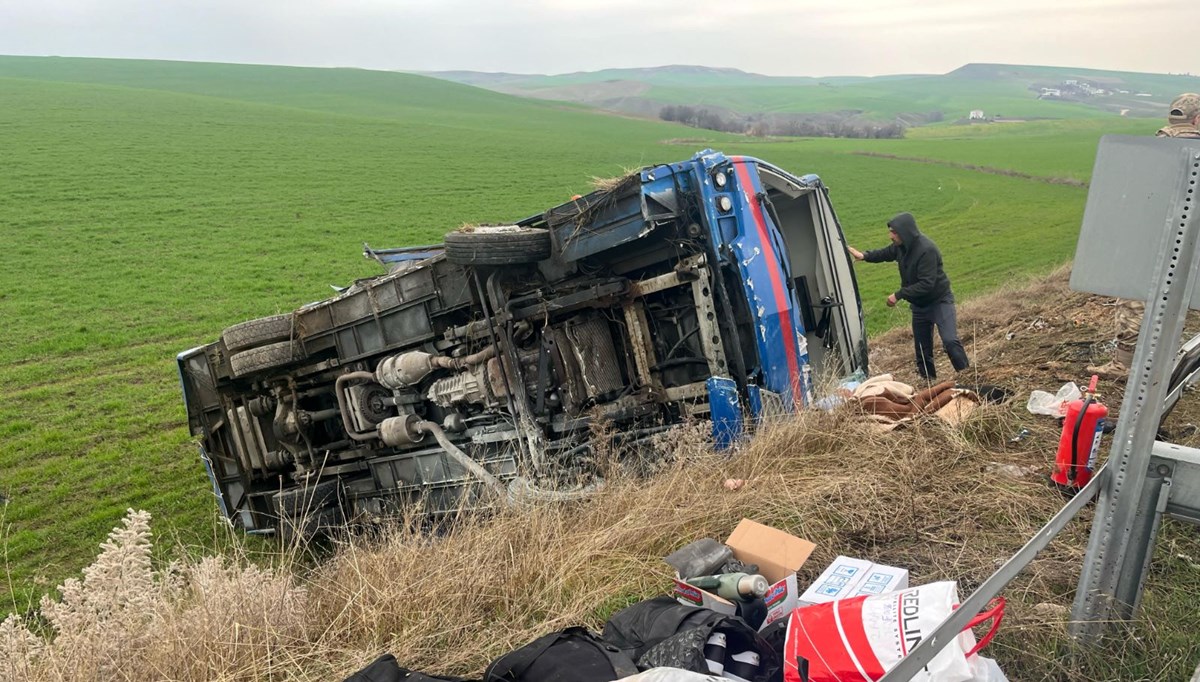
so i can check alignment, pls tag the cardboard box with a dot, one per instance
(848, 577)
(778, 555)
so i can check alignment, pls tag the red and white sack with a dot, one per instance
(861, 638)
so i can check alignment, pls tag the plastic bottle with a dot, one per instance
(733, 586)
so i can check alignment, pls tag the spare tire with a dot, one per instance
(253, 333)
(497, 245)
(265, 357)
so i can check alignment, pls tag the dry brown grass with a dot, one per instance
(451, 601)
(609, 184)
(926, 497)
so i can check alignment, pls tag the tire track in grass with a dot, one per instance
(1053, 180)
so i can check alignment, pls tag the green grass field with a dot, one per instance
(148, 205)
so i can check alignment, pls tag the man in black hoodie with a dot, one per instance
(924, 284)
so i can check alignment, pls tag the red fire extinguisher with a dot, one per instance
(1080, 441)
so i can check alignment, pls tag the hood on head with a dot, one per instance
(906, 226)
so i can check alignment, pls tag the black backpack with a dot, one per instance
(636, 628)
(572, 654)
(661, 632)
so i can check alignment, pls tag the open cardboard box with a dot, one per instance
(778, 555)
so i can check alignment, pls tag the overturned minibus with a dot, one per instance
(476, 370)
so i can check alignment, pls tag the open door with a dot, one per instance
(822, 274)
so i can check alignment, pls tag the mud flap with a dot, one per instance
(726, 411)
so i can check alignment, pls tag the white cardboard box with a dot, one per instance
(880, 579)
(778, 555)
(848, 577)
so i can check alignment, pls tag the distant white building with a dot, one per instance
(976, 115)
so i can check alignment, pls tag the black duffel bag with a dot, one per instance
(572, 654)
(386, 669)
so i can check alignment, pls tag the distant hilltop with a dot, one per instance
(856, 106)
(986, 70)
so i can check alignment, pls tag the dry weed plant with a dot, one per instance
(213, 618)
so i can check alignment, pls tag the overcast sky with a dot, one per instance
(776, 37)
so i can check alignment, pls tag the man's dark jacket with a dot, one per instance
(922, 280)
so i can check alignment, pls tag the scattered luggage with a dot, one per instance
(840, 639)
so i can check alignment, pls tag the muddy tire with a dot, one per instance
(258, 332)
(497, 245)
(265, 357)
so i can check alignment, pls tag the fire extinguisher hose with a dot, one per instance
(1075, 438)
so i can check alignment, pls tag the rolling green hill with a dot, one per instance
(148, 205)
(356, 92)
(664, 76)
(996, 89)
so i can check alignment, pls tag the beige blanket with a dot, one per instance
(891, 403)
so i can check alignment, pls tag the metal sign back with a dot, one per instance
(1125, 223)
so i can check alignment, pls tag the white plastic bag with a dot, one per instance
(861, 638)
(674, 675)
(1041, 402)
(986, 670)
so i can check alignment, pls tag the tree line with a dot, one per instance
(840, 124)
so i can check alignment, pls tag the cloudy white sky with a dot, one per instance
(776, 37)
